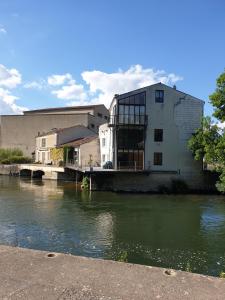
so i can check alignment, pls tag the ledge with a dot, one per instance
(31, 274)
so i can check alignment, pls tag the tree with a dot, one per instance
(218, 98)
(208, 142)
(204, 142)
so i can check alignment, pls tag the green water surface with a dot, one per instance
(175, 231)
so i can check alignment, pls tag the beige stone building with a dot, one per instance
(19, 131)
(81, 144)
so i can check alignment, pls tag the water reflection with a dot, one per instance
(169, 231)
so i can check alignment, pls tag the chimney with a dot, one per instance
(174, 87)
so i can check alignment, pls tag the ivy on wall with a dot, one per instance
(56, 155)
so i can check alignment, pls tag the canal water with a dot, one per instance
(184, 232)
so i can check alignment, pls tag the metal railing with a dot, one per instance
(127, 119)
(129, 165)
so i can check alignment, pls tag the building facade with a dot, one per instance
(19, 131)
(149, 129)
(72, 137)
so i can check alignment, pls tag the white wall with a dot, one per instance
(105, 150)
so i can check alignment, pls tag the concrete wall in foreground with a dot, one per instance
(153, 182)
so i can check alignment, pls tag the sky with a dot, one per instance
(68, 52)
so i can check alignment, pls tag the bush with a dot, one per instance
(7, 153)
(85, 183)
(13, 156)
(19, 159)
(179, 186)
(5, 161)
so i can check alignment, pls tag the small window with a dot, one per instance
(158, 135)
(43, 142)
(92, 125)
(100, 115)
(103, 157)
(157, 158)
(103, 142)
(106, 118)
(159, 96)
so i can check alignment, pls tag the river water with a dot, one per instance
(184, 232)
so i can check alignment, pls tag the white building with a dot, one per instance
(105, 137)
(148, 131)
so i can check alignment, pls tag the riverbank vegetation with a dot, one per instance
(208, 142)
(13, 156)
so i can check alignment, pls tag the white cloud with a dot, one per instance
(3, 31)
(102, 86)
(36, 85)
(60, 79)
(108, 84)
(9, 78)
(8, 103)
(71, 92)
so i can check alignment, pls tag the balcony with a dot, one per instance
(127, 119)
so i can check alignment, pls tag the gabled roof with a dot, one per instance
(145, 87)
(80, 141)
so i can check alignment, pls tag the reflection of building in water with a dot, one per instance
(45, 188)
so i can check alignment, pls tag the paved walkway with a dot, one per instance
(30, 274)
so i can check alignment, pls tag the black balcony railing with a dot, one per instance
(127, 119)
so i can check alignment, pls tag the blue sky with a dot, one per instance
(58, 53)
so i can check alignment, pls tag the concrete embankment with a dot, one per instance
(30, 274)
(9, 169)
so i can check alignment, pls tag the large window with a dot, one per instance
(132, 110)
(157, 158)
(159, 96)
(158, 135)
(130, 146)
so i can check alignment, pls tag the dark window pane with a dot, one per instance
(124, 101)
(159, 96)
(158, 135)
(121, 109)
(142, 110)
(131, 99)
(142, 99)
(130, 139)
(136, 110)
(157, 158)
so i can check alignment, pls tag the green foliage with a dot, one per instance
(66, 150)
(13, 156)
(85, 183)
(5, 161)
(188, 267)
(218, 98)
(122, 256)
(6, 153)
(222, 275)
(208, 142)
(179, 186)
(203, 143)
(20, 159)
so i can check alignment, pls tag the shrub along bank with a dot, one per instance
(13, 156)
